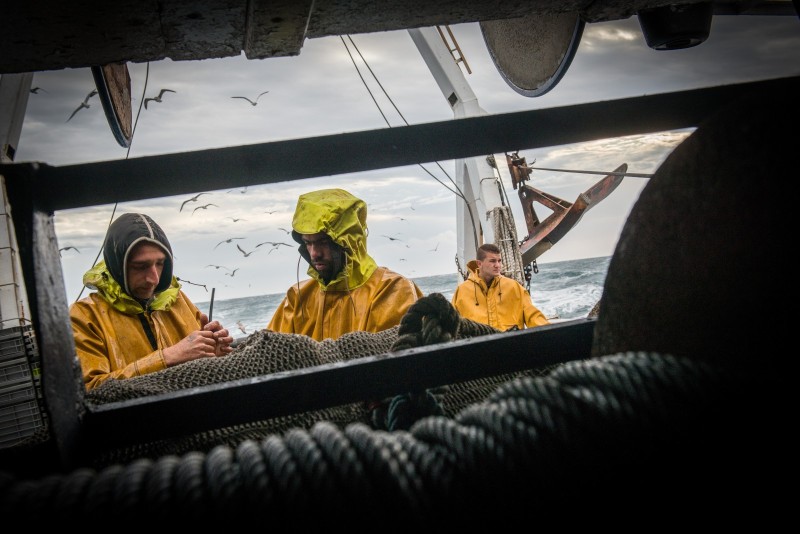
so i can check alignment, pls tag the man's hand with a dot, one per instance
(213, 340)
(222, 337)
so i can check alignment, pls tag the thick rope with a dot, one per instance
(536, 444)
(590, 436)
(505, 237)
(431, 320)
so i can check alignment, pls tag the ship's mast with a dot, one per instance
(481, 215)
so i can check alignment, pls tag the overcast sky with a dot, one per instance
(320, 92)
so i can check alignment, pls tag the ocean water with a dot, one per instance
(561, 290)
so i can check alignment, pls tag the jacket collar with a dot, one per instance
(100, 279)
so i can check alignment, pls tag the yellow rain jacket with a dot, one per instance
(117, 336)
(110, 339)
(362, 297)
(504, 304)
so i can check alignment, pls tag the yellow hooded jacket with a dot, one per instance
(108, 325)
(362, 297)
(504, 304)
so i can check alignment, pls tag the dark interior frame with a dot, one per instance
(36, 191)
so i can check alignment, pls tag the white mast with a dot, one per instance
(475, 178)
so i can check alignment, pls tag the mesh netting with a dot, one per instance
(265, 352)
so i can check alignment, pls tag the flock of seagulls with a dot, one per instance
(231, 272)
(274, 245)
(159, 98)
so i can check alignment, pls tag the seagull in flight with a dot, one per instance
(227, 241)
(232, 273)
(246, 254)
(241, 327)
(392, 238)
(193, 199)
(84, 104)
(274, 245)
(36, 90)
(218, 267)
(234, 219)
(252, 102)
(67, 248)
(158, 98)
(288, 232)
(204, 207)
(434, 249)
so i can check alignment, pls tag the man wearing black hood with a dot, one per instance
(139, 321)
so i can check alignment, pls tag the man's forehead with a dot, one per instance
(315, 238)
(146, 252)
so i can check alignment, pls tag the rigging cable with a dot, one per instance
(458, 193)
(612, 173)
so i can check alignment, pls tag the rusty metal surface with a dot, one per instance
(39, 36)
(565, 215)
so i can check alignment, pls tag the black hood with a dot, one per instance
(127, 231)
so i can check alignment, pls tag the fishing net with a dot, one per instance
(265, 352)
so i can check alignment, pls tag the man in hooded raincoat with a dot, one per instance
(347, 291)
(138, 321)
(488, 297)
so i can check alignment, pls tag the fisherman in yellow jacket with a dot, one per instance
(488, 297)
(138, 320)
(347, 291)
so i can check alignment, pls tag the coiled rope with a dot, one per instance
(505, 237)
(587, 436)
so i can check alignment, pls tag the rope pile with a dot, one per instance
(620, 431)
(505, 237)
(610, 438)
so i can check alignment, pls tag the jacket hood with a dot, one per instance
(99, 278)
(343, 218)
(475, 276)
(126, 232)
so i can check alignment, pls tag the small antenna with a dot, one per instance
(211, 306)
